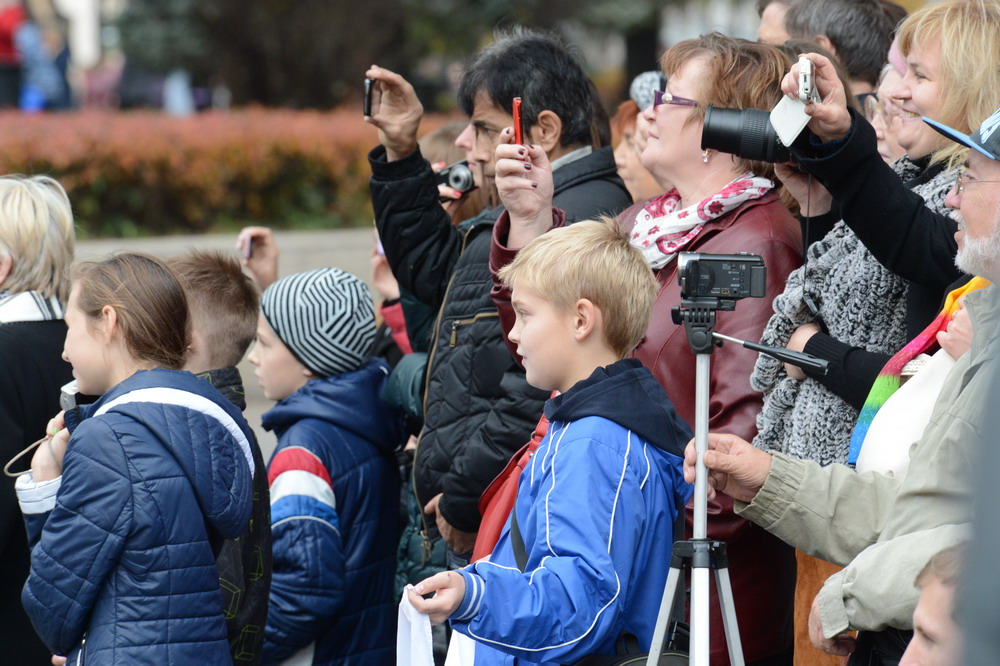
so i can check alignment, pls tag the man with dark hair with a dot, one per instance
(858, 32)
(478, 407)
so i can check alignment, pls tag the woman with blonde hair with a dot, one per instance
(36, 252)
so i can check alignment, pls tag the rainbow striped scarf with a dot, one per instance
(888, 382)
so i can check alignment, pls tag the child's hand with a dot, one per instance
(259, 252)
(46, 463)
(449, 589)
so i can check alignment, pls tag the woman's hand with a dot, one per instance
(830, 118)
(259, 251)
(813, 198)
(396, 112)
(798, 343)
(46, 464)
(524, 181)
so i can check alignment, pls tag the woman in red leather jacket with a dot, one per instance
(719, 204)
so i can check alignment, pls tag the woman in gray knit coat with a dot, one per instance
(843, 304)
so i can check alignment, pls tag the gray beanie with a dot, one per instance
(325, 317)
(643, 86)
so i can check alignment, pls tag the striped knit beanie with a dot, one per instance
(325, 317)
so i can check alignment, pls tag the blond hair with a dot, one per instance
(592, 260)
(969, 34)
(36, 232)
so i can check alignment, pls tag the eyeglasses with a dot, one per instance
(663, 97)
(964, 181)
(871, 105)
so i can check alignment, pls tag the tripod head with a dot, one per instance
(698, 317)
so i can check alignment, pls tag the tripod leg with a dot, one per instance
(729, 623)
(663, 617)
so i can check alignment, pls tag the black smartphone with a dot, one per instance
(369, 85)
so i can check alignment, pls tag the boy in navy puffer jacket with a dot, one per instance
(333, 480)
(597, 502)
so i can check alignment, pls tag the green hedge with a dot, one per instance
(142, 173)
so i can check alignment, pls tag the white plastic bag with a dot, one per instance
(413, 635)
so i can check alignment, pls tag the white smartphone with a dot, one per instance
(789, 118)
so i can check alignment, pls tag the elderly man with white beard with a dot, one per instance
(881, 528)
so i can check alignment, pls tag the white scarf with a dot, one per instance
(29, 306)
(661, 230)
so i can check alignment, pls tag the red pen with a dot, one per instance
(518, 128)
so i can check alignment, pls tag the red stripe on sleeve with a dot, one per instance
(296, 458)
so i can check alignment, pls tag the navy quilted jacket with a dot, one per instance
(122, 569)
(334, 522)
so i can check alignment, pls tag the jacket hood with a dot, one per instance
(211, 444)
(627, 394)
(598, 165)
(351, 401)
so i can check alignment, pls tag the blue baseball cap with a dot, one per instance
(986, 139)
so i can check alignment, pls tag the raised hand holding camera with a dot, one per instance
(394, 109)
(830, 118)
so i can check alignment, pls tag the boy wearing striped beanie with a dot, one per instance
(333, 481)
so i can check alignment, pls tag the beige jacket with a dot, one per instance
(882, 529)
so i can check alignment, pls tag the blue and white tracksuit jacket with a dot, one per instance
(596, 509)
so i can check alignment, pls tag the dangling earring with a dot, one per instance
(704, 156)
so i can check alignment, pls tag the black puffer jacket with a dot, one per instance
(478, 408)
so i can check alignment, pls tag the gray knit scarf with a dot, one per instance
(863, 305)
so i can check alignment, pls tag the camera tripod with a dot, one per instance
(699, 554)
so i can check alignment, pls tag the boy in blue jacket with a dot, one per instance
(333, 479)
(596, 505)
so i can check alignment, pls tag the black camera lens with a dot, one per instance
(746, 133)
(460, 178)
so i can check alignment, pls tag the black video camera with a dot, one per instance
(727, 277)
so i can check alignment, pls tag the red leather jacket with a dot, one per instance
(761, 567)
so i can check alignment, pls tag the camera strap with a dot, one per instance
(807, 218)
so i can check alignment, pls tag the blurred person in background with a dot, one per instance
(719, 203)
(36, 252)
(937, 637)
(627, 141)
(856, 32)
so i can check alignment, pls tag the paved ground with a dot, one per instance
(300, 251)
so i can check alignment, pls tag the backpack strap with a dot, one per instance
(517, 541)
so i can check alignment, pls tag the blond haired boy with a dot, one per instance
(585, 554)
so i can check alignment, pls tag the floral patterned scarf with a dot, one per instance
(661, 231)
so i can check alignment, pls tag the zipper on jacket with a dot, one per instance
(83, 646)
(426, 547)
(458, 323)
